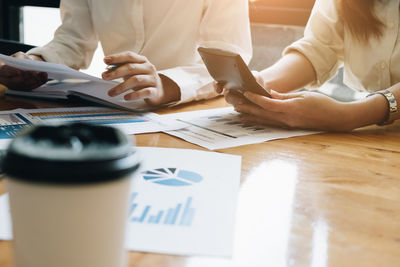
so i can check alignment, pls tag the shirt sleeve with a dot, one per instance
(75, 40)
(323, 42)
(225, 25)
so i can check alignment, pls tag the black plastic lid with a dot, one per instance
(75, 153)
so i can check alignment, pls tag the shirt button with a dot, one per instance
(390, 24)
(383, 65)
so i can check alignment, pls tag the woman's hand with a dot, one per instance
(141, 80)
(306, 110)
(22, 80)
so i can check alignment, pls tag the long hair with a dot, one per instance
(359, 17)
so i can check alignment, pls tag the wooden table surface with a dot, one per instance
(330, 199)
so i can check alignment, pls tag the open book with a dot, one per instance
(65, 82)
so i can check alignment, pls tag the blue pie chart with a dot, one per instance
(172, 177)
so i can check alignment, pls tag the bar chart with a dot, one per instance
(11, 124)
(182, 214)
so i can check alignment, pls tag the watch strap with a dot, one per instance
(392, 103)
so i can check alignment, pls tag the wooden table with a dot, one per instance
(331, 199)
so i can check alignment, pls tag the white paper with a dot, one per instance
(67, 81)
(11, 122)
(54, 71)
(194, 187)
(222, 128)
(5, 218)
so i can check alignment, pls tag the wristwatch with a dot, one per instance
(392, 103)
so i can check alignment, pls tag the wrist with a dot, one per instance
(369, 111)
(392, 109)
(171, 91)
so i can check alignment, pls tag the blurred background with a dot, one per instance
(274, 25)
(34, 22)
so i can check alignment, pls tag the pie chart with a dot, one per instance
(172, 177)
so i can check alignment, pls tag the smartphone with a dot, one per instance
(228, 68)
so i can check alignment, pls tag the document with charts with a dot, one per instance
(182, 203)
(65, 83)
(222, 128)
(11, 122)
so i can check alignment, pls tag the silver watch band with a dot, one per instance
(392, 103)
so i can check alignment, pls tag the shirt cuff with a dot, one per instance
(192, 84)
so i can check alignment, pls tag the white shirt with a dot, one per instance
(167, 32)
(367, 66)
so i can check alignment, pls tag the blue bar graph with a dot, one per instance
(188, 213)
(155, 218)
(143, 216)
(133, 205)
(174, 216)
(168, 217)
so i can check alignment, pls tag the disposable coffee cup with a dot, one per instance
(69, 191)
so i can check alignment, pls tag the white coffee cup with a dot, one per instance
(69, 191)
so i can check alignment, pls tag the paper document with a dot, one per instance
(222, 128)
(11, 122)
(5, 218)
(66, 82)
(182, 203)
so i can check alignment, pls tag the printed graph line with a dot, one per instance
(175, 216)
(208, 129)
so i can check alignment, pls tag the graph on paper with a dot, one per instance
(102, 116)
(229, 125)
(223, 127)
(181, 214)
(197, 218)
(11, 122)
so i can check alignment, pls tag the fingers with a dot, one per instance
(274, 104)
(235, 98)
(252, 114)
(7, 71)
(144, 93)
(141, 79)
(18, 79)
(129, 69)
(25, 81)
(21, 55)
(125, 57)
(219, 87)
(136, 82)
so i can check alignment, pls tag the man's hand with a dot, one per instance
(22, 80)
(141, 80)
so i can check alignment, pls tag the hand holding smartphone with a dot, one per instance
(229, 69)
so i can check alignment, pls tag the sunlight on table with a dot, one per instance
(262, 232)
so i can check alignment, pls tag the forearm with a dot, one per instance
(373, 109)
(291, 72)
